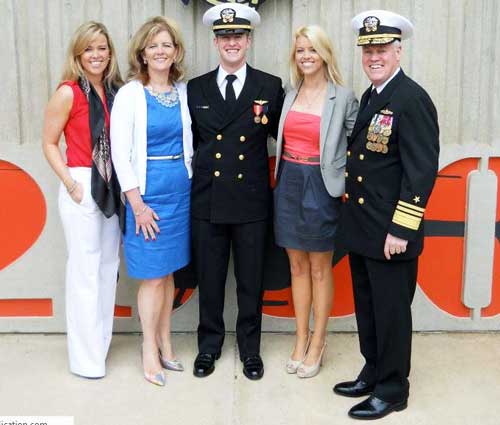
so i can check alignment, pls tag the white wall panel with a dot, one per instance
(10, 106)
(31, 50)
(454, 55)
(494, 52)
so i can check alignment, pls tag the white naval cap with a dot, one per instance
(381, 27)
(231, 18)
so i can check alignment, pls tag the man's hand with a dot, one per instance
(394, 245)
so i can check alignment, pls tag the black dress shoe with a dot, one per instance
(253, 368)
(204, 364)
(357, 388)
(375, 408)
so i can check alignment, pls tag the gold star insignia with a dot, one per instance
(416, 199)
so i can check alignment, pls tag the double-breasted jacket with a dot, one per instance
(392, 163)
(230, 165)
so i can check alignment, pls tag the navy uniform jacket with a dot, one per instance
(392, 163)
(230, 165)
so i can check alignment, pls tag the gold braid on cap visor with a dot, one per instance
(232, 27)
(377, 39)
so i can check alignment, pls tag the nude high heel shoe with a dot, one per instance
(157, 378)
(174, 364)
(293, 365)
(304, 371)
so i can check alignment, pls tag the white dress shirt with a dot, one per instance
(241, 74)
(382, 86)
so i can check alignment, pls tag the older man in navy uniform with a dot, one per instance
(392, 163)
(234, 109)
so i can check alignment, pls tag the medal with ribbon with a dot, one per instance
(260, 108)
(379, 132)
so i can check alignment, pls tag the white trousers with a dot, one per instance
(91, 274)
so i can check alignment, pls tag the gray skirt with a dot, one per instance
(305, 215)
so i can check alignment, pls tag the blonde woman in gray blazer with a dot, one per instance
(318, 115)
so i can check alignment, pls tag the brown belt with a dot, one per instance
(287, 154)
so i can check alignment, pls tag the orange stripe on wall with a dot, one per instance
(27, 307)
(123, 311)
(42, 307)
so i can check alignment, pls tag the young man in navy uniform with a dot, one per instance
(234, 109)
(392, 163)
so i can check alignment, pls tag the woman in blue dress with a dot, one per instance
(151, 145)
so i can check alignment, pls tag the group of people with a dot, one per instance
(180, 174)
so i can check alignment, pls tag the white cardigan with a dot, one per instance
(129, 134)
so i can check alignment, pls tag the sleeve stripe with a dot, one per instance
(406, 220)
(413, 207)
(409, 211)
(407, 217)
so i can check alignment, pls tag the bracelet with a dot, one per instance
(137, 214)
(73, 187)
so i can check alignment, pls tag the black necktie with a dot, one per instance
(373, 96)
(230, 94)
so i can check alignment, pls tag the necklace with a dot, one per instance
(168, 99)
(308, 102)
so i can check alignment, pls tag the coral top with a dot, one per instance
(77, 129)
(301, 133)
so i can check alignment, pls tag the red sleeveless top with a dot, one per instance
(77, 129)
(302, 134)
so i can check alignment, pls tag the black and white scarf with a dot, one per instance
(104, 183)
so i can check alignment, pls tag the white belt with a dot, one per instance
(159, 158)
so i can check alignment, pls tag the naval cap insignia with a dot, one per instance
(227, 15)
(371, 23)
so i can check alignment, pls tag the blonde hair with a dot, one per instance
(83, 36)
(323, 46)
(138, 70)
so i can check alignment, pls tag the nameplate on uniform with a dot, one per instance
(379, 131)
(202, 107)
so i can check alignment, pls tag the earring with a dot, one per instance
(145, 62)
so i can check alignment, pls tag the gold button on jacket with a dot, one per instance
(217, 173)
(219, 137)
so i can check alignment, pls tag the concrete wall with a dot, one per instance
(454, 54)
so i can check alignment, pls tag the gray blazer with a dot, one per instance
(337, 121)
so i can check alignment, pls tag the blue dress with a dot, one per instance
(167, 192)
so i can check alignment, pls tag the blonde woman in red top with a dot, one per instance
(318, 115)
(89, 194)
